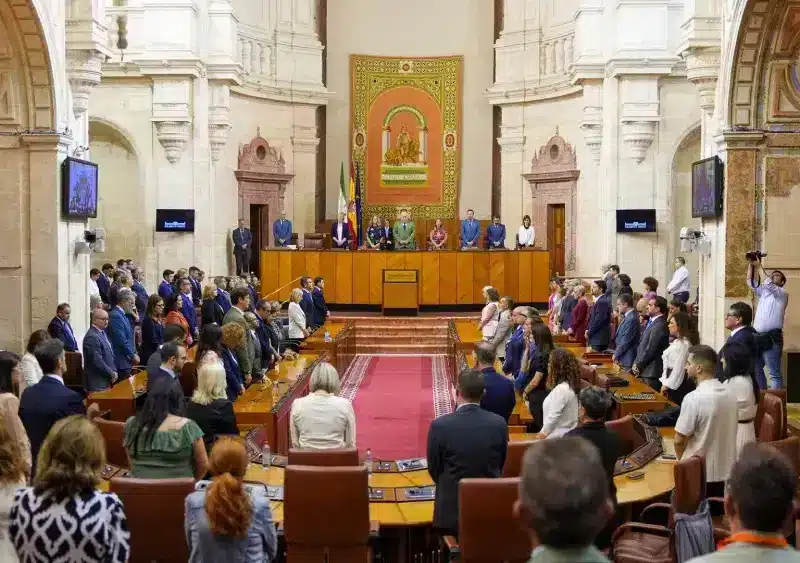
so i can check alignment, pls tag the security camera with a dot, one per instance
(692, 239)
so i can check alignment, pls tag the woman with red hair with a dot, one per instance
(228, 521)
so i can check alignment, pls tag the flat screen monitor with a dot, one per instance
(707, 187)
(636, 220)
(78, 188)
(174, 220)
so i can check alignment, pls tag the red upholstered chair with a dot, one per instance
(114, 435)
(768, 430)
(790, 447)
(74, 375)
(312, 496)
(589, 374)
(766, 400)
(624, 427)
(345, 457)
(487, 531)
(514, 455)
(155, 512)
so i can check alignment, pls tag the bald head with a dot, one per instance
(100, 319)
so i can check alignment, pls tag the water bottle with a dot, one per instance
(275, 389)
(327, 336)
(266, 456)
(369, 466)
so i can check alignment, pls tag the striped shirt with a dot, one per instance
(772, 301)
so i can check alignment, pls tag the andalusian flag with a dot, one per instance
(342, 194)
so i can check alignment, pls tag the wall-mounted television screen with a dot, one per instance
(78, 188)
(174, 220)
(707, 187)
(636, 220)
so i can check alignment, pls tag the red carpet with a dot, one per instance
(394, 406)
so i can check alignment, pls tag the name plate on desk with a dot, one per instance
(400, 276)
(415, 464)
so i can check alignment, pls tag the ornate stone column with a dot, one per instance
(86, 47)
(513, 202)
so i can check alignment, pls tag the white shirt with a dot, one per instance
(674, 358)
(772, 301)
(93, 289)
(560, 411)
(526, 236)
(297, 321)
(339, 228)
(709, 419)
(734, 331)
(31, 371)
(680, 281)
(322, 421)
(742, 388)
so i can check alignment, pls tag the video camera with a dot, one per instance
(755, 255)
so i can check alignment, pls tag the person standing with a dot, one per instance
(675, 384)
(341, 236)
(470, 442)
(173, 358)
(737, 372)
(655, 339)
(99, 368)
(242, 239)
(679, 285)
(187, 307)
(598, 330)
(404, 233)
(60, 328)
(281, 231)
(738, 321)
(241, 303)
(307, 302)
(772, 302)
(533, 373)
(526, 234)
(515, 346)
(141, 293)
(120, 333)
(104, 282)
(496, 235)
(197, 287)
(628, 333)
(470, 231)
(499, 396)
(165, 287)
(320, 312)
(388, 235)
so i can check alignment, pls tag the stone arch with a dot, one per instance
(687, 149)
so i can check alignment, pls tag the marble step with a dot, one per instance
(392, 337)
(401, 331)
(400, 348)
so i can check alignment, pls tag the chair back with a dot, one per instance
(312, 496)
(624, 427)
(589, 374)
(344, 457)
(114, 435)
(488, 531)
(316, 241)
(515, 452)
(775, 404)
(790, 447)
(690, 484)
(74, 374)
(768, 431)
(155, 512)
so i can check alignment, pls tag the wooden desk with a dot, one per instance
(342, 347)
(635, 385)
(468, 335)
(400, 291)
(121, 398)
(446, 277)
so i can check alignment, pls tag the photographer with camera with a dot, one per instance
(768, 323)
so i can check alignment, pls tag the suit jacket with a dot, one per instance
(400, 234)
(496, 234)
(655, 339)
(281, 230)
(320, 310)
(599, 327)
(120, 333)
(197, 292)
(190, 314)
(103, 284)
(253, 297)
(268, 353)
(233, 376)
(499, 396)
(241, 237)
(152, 336)
(607, 442)
(244, 361)
(346, 234)
(746, 336)
(514, 350)
(160, 374)
(307, 305)
(113, 292)
(627, 339)
(141, 298)
(223, 300)
(580, 320)
(44, 404)
(98, 360)
(388, 234)
(470, 442)
(165, 289)
(63, 331)
(470, 232)
(211, 312)
(501, 335)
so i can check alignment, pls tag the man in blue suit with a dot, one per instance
(307, 303)
(738, 321)
(499, 396)
(496, 235)
(121, 334)
(173, 358)
(242, 239)
(320, 311)
(282, 231)
(104, 282)
(165, 288)
(598, 331)
(60, 329)
(470, 231)
(516, 344)
(99, 368)
(196, 286)
(628, 332)
(187, 308)
(140, 291)
(47, 402)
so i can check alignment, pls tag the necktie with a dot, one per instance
(404, 226)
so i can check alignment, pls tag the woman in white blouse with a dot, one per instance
(297, 318)
(526, 234)
(675, 384)
(490, 315)
(321, 420)
(29, 369)
(737, 369)
(560, 408)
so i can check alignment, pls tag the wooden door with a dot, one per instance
(556, 235)
(261, 229)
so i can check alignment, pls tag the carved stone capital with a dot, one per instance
(702, 70)
(217, 138)
(511, 145)
(593, 137)
(84, 70)
(305, 144)
(173, 136)
(638, 135)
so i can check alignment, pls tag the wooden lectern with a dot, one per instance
(401, 292)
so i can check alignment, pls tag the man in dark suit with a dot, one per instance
(515, 346)
(104, 282)
(197, 288)
(99, 368)
(270, 344)
(655, 339)
(307, 302)
(738, 321)
(281, 231)
(120, 333)
(470, 442)
(341, 236)
(320, 312)
(47, 402)
(242, 239)
(172, 333)
(173, 357)
(598, 331)
(628, 332)
(499, 396)
(60, 329)
(165, 288)
(140, 291)
(241, 303)
(187, 306)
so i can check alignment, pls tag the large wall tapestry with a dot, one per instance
(405, 121)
